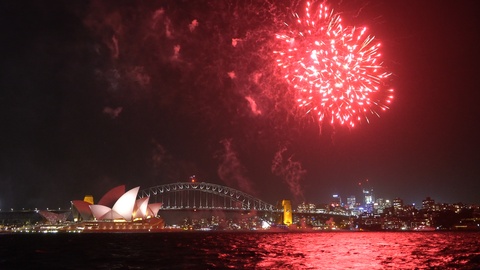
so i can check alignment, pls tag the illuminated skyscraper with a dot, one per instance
(368, 200)
(368, 197)
(367, 192)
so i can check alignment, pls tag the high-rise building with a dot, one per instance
(428, 204)
(368, 200)
(368, 197)
(336, 201)
(380, 202)
(388, 203)
(351, 201)
(379, 205)
(398, 204)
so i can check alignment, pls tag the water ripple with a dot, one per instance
(243, 250)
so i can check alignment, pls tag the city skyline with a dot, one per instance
(352, 201)
(98, 94)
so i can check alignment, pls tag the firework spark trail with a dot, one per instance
(335, 70)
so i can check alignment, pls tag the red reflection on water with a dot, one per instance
(367, 250)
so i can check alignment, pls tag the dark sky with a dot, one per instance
(102, 93)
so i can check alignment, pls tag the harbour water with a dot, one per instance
(242, 250)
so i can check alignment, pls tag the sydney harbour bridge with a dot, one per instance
(202, 197)
(207, 197)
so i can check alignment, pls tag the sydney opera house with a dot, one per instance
(117, 210)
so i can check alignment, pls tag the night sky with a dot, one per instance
(142, 93)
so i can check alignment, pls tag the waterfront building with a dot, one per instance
(116, 204)
(117, 210)
(306, 207)
(428, 204)
(336, 201)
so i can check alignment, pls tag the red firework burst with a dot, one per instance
(335, 71)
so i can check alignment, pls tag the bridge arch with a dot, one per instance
(204, 196)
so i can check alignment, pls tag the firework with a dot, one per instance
(335, 71)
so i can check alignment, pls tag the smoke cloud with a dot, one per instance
(232, 75)
(193, 25)
(112, 112)
(231, 170)
(235, 41)
(291, 171)
(253, 105)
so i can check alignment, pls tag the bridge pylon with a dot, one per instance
(287, 212)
